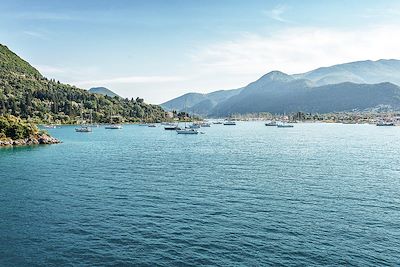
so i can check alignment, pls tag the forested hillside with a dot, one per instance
(24, 92)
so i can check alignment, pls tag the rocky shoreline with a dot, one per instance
(42, 139)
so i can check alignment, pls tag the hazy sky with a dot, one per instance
(161, 49)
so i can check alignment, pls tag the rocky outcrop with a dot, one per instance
(42, 139)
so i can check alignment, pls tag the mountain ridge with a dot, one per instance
(276, 84)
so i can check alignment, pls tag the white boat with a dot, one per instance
(385, 123)
(113, 126)
(205, 124)
(171, 127)
(194, 126)
(50, 126)
(270, 123)
(187, 131)
(83, 129)
(229, 123)
(284, 125)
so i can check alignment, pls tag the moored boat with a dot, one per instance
(229, 123)
(270, 123)
(385, 123)
(187, 131)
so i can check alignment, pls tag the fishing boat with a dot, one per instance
(270, 123)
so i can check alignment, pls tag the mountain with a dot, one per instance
(300, 96)
(199, 103)
(355, 85)
(102, 91)
(25, 93)
(368, 71)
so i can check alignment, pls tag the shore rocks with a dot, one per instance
(33, 140)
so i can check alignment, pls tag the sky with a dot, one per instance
(160, 49)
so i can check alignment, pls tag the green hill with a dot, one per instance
(25, 93)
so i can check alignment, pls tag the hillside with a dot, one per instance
(25, 93)
(199, 103)
(355, 85)
(368, 71)
(102, 91)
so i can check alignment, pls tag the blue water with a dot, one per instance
(245, 195)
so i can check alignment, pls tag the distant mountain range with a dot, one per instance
(102, 91)
(352, 86)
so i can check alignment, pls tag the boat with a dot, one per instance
(187, 131)
(205, 124)
(217, 122)
(50, 126)
(172, 127)
(85, 128)
(194, 126)
(229, 123)
(385, 123)
(113, 126)
(284, 125)
(151, 125)
(270, 123)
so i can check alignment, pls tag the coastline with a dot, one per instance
(41, 139)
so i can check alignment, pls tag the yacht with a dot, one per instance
(187, 131)
(194, 126)
(85, 128)
(385, 123)
(270, 123)
(171, 127)
(113, 126)
(229, 123)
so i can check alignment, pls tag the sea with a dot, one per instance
(317, 194)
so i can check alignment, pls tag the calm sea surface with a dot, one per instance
(245, 195)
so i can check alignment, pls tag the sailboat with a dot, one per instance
(112, 125)
(85, 128)
(187, 130)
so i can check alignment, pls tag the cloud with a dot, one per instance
(298, 49)
(277, 12)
